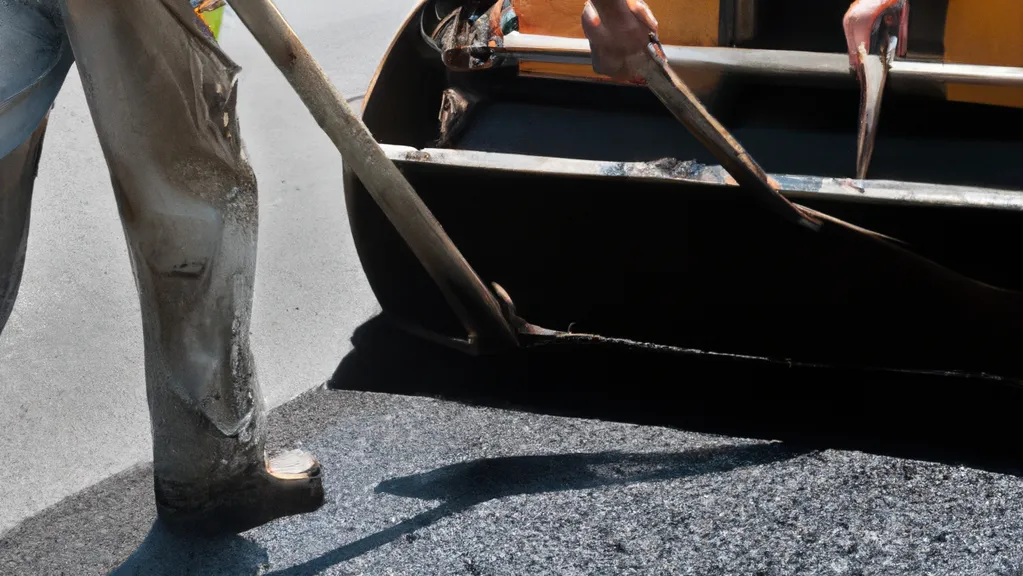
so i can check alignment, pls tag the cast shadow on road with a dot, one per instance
(464, 485)
(164, 554)
(920, 417)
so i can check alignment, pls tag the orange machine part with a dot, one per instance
(987, 32)
(680, 22)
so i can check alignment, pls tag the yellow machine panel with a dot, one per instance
(987, 32)
(681, 22)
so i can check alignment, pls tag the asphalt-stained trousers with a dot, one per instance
(162, 96)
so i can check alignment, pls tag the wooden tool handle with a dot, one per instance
(465, 292)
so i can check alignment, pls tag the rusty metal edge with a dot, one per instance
(532, 340)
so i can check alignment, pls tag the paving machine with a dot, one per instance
(591, 214)
(502, 196)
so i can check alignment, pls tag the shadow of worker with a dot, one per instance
(163, 553)
(464, 485)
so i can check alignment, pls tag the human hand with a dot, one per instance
(862, 20)
(618, 32)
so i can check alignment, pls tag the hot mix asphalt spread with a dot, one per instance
(423, 486)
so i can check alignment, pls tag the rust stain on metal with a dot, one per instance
(417, 156)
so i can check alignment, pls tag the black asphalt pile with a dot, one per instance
(423, 486)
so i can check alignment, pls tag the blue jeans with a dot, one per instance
(35, 56)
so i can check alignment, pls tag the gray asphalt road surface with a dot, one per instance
(72, 395)
(419, 486)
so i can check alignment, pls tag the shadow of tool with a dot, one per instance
(922, 417)
(464, 485)
(163, 553)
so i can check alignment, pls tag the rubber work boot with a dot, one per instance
(288, 484)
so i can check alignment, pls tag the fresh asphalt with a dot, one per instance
(421, 486)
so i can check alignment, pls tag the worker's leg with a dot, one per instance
(34, 60)
(162, 97)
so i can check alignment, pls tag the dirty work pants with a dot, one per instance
(162, 97)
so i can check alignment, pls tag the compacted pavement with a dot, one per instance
(417, 485)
